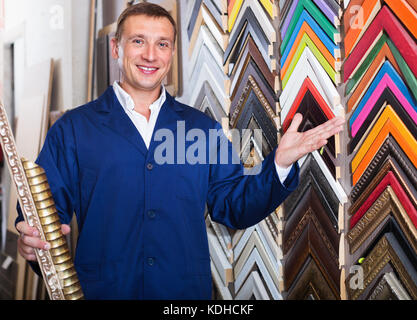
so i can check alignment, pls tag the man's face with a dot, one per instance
(144, 52)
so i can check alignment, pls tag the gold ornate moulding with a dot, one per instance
(386, 251)
(39, 211)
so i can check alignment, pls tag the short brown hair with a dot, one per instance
(147, 9)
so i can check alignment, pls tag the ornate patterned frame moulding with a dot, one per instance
(389, 179)
(252, 69)
(383, 253)
(253, 116)
(53, 282)
(311, 210)
(390, 148)
(310, 282)
(386, 204)
(251, 85)
(380, 175)
(310, 244)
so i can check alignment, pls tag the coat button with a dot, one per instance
(151, 214)
(151, 261)
(149, 166)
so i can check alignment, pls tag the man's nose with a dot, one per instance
(149, 52)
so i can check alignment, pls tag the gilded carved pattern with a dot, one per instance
(310, 216)
(251, 85)
(386, 203)
(26, 183)
(382, 254)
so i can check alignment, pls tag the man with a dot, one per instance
(141, 224)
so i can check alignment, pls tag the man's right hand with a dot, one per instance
(30, 239)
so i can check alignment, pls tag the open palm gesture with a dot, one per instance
(294, 145)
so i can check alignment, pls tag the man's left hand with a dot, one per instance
(294, 145)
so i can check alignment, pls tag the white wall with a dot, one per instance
(55, 29)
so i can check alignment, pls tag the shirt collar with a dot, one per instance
(127, 102)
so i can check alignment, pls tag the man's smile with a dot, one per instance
(147, 70)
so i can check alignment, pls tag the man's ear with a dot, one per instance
(114, 43)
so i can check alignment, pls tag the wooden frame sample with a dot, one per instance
(261, 83)
(389, 150)
(308, 66)
(310, 284)
(306, 22)
(251, 52)
(384, 21)
(370, 62)
(388, 123)
(389, 288)
(307, 42)
(222, 290)
(248, 26)
(325, 24)
(313, 115)
(254, 241)
(312, 244)
(309, 210)
(204, 17)
(307, 86)
(206, 101)
(256, 259)
(253, 104)
(240, 241)
(404, 194)
(387, 204)
(253, 287)
(219, 258)
(207, 69)
(311, 176)
(385, 54)
(386, 97)
(205, 39)
(302, 39)
(387, 250)
(259, 14)
(335, 184)
(370, 8)
(386, 78)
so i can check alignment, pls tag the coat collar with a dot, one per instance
(117, 120)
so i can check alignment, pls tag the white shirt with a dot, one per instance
(146, 127)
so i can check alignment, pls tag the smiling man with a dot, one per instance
(142, 232)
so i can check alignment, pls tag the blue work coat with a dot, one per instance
(142, 231)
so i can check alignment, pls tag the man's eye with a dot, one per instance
(164, 45)
(138, 41)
